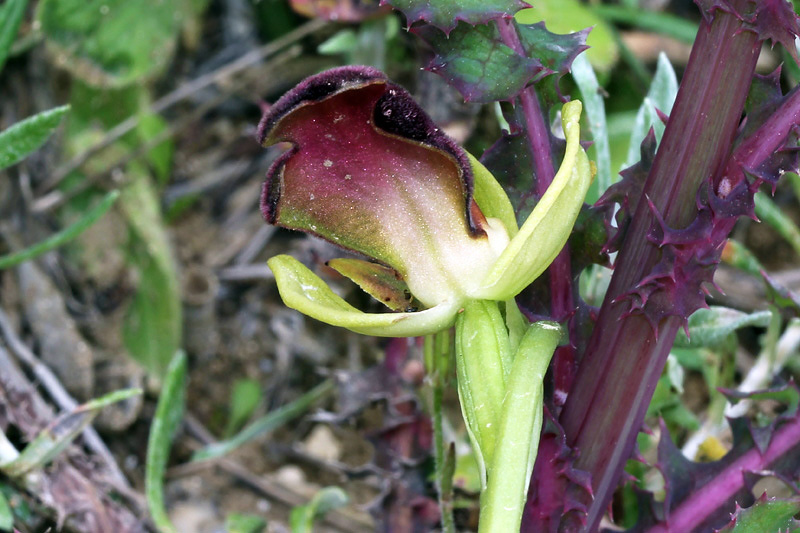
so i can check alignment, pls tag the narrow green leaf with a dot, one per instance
(6, 514)
(63, 236)
(244, 523)
(55, 438)
(10, 18)
(518, 431)
(655, 21)
(768, 211)
(709, 327)
(245, 397)
(19, 140)
(153, 326)
(166, 421)
(266, 424)
(662, 93)
(302, 518)
(591, 95)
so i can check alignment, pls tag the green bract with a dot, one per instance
(369, 171)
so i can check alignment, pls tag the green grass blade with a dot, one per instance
(169, 413)
(302, 518)
(63, 236)
(771, 214)
(657, 22)
(583, 74)
(662, 93)
(19, 140)
(55, 438)
(268, 423)
(10, 18)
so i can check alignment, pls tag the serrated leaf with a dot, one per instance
(19, 140)
(153, 325)
(10, 18)
(567, 16)
(477, 62)
(767, 514)
(709, 327)
(474, 60)
(88, 35)
(302, 518)
(445, 14)
(169, 413)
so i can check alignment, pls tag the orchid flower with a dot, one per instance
(369, 171)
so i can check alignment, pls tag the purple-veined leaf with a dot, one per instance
(476, 61)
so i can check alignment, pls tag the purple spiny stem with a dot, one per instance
(561, 299)
(626, 354)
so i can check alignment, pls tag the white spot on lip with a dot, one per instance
(327, 163)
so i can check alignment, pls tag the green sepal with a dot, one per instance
(491, 198)
(483, 360)
(548, 227)
(382, 283)
(304, 291)
(519, 425)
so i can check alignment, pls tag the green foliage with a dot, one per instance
(24, 137)
(266, 424)
(658, 22)
(153, 325)
(166, 421)
(11, 14)
(55, 438)
(771, 214)
(710, 327)
(662, 93)
(567, 16)
(245, 397)
(6, 514)
(244, 523)
(767, 514)
(112, 43)
(302, 518)
(63, 236)
(593, 103)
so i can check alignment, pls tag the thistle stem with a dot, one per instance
(625, 356)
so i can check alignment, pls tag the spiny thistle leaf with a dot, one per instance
(704, 496)
(776, 21)
(445, 14)
(477, 62)
(767, 514)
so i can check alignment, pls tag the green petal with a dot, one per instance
(304, 291)
(491, 198)
(548, 227)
